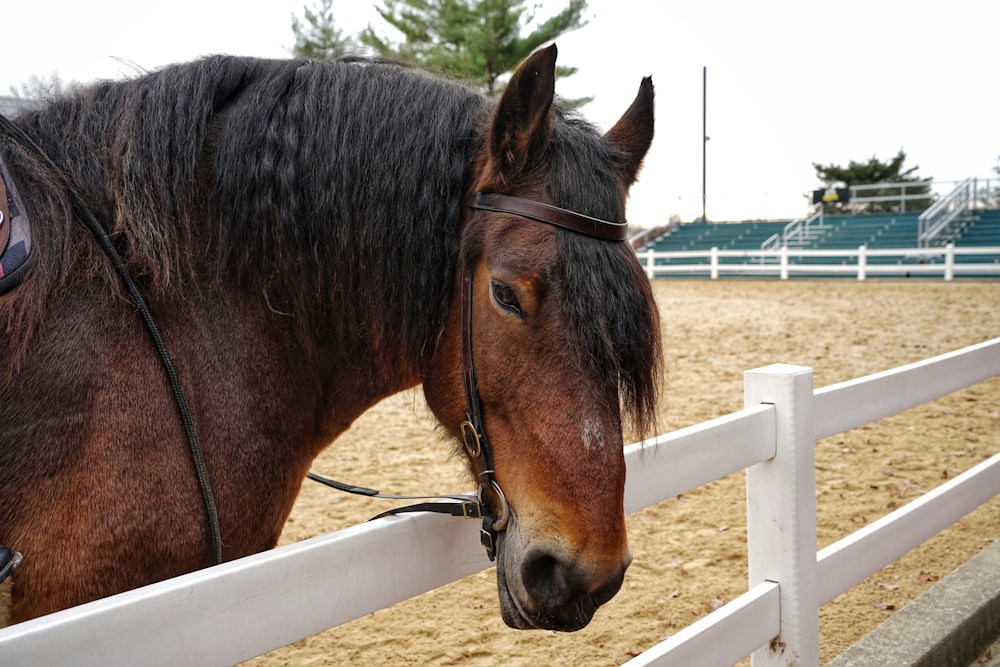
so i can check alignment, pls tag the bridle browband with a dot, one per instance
(552, 215)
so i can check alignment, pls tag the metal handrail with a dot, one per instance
(794, 230)
(933, 222)
(858, 198)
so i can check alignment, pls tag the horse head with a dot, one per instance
(562, 333)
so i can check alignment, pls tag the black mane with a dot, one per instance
(297, 177)
(315, 182)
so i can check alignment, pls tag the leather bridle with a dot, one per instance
(477, 445)
(496, 515)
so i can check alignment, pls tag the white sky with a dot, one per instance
(789, 82)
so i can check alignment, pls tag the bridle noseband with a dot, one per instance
(477, 445)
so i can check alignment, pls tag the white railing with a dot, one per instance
(781, 517)
(232, 612)
(910, 262)
(897, 194)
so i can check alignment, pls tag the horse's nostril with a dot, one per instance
(546, 581)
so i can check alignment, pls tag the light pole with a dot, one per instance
(704, 136)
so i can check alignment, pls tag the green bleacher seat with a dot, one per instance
(875, 231)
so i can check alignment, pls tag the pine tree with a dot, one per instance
(477, 41)
(316, 36)
(872, 172)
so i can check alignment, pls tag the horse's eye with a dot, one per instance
(505, 298)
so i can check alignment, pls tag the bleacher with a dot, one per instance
(881, 231)
(874, 231)
(702, 236)
(722, 235)
(982, 231)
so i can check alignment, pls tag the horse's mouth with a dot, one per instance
(567, 619)
(510, 610)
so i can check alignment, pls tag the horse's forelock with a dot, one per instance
(611, 322)
(609, 311)
(609, 317)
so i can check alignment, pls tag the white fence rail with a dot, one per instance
(784, 262)
(232, 612)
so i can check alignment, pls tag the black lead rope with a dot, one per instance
(90, 221)
(464, 505)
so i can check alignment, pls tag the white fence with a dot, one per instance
(784, 262)
(232, 612)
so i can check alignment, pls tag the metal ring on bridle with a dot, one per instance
(500, 524)
(476, 448)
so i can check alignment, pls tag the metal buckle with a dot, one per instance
(472, 509)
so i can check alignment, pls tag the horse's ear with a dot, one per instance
(522, 121)
(633, 133)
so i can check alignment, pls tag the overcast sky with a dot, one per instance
(789, 83)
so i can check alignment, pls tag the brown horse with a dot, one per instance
(301, 233)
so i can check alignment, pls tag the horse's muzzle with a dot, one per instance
(549, 591)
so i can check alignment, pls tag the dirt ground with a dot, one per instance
(690, 551)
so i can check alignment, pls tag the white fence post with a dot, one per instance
(714, 262)
(650, 263)
(784, 262)
(862, 262)
(949, 261)
(781, 513)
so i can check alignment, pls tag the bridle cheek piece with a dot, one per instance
(477, 445)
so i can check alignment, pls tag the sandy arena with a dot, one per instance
(690, 551)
